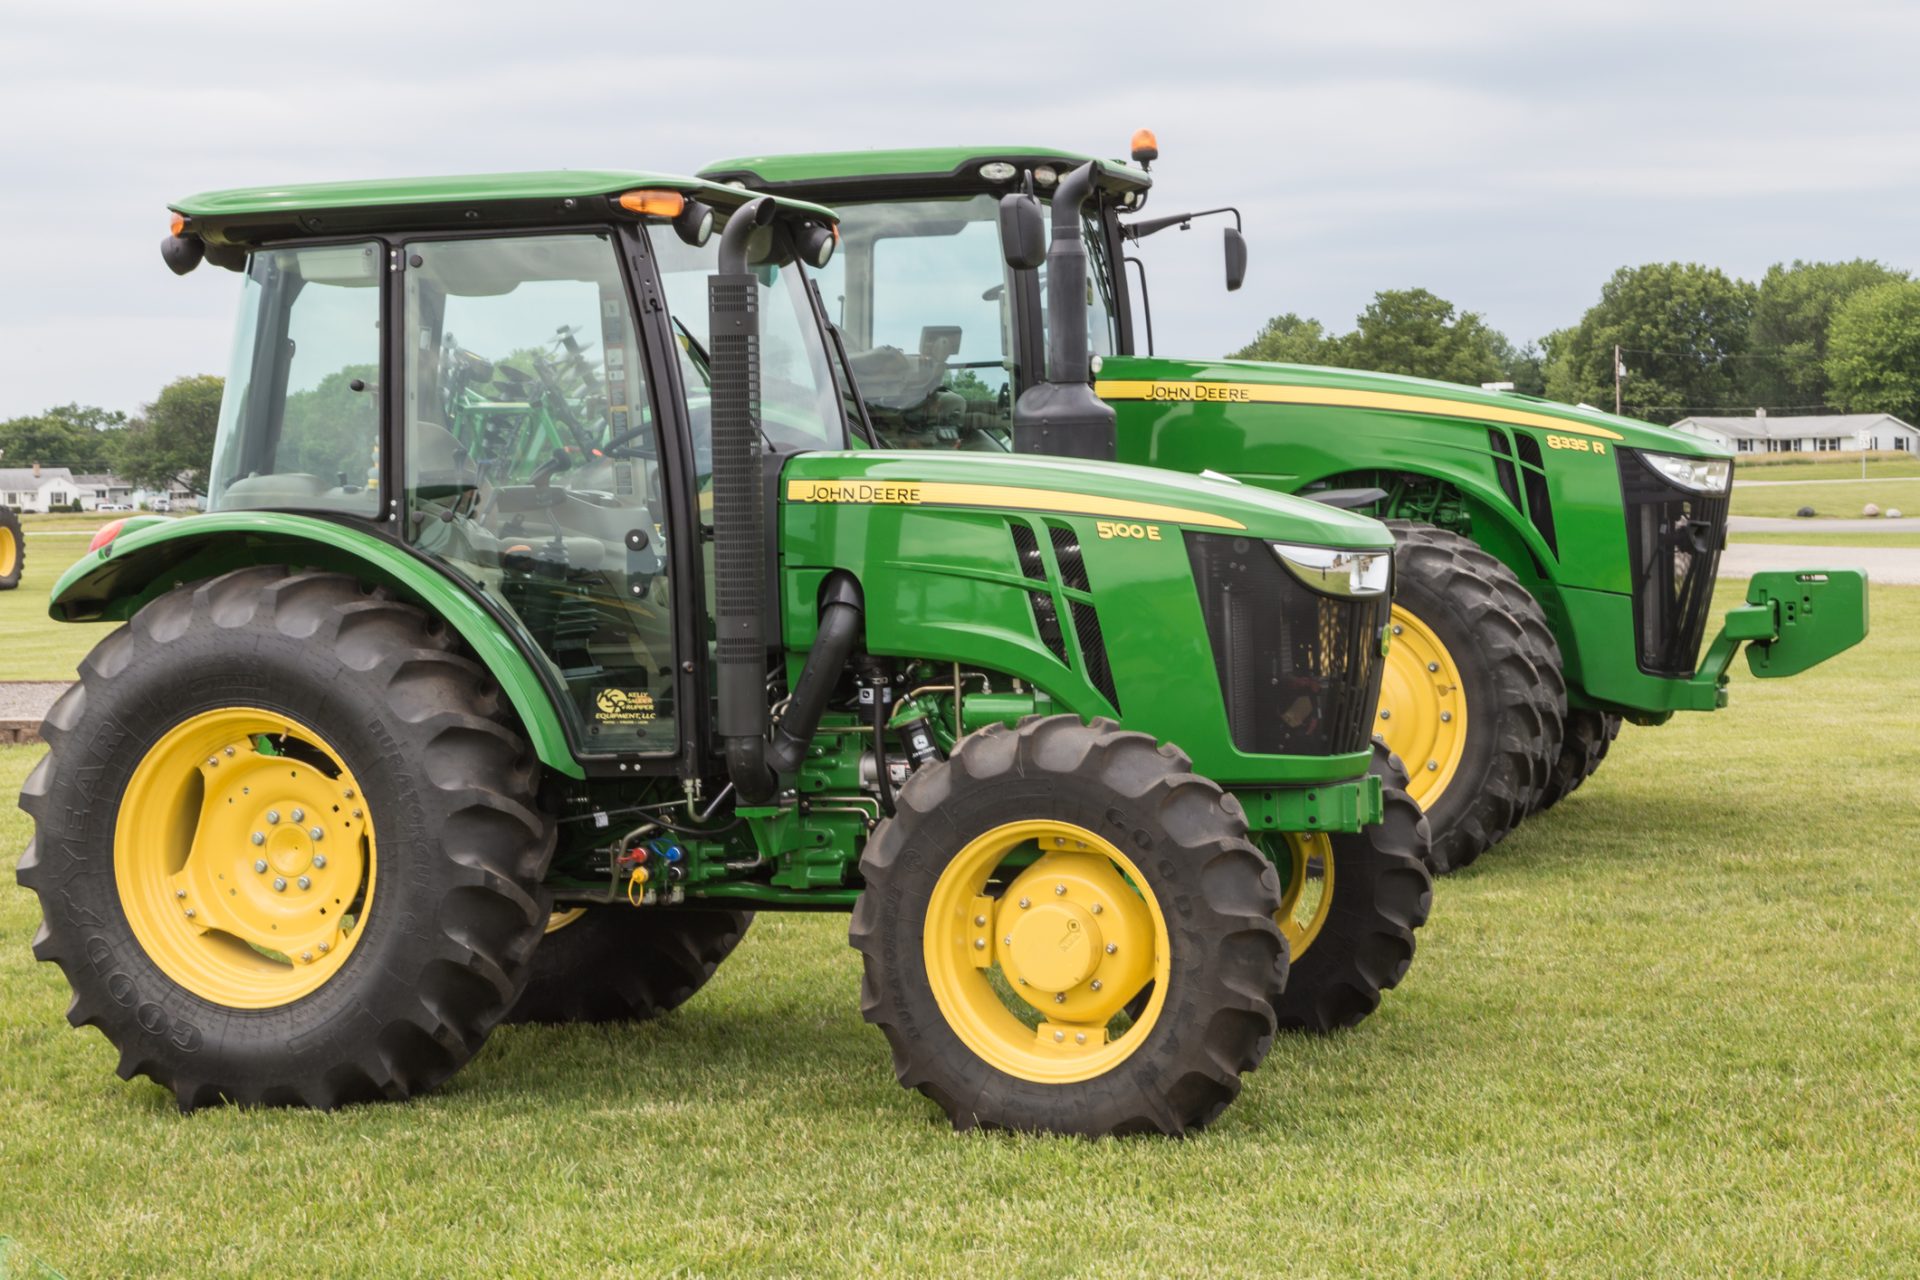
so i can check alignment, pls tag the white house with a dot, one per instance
(101, 490)
(37, 488)
(1807, 433)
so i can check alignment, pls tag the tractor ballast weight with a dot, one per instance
(436, 678)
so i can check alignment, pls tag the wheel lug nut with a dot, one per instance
(325, 947)
(1058, 1036)
(1112, 947)
(299, 815)
(307, 956)
(179, 893)
(1079, 1037)
(212, 762)
(1059, 997)
(1024, 904)
(1059, 891)
(1433, 666)
(260, 866)
(317, 833)
(1445, 716)
(1386, 715)
(979, 920)
(348, 793)
(259, 837)
(1096, 908)
(356, 813)
(319, 859)
(1433, 766)
(273, 816)
(1008, 939)
(979, 944)
(279, 884)
(1396, 628)
(229, 750)
(304, 882)
(1094, 985)
(190, 913)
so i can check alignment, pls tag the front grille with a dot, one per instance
(1674, 537)
(1299, 671)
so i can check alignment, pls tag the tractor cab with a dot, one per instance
(551, 443)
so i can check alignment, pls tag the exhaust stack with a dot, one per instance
(1061, 415)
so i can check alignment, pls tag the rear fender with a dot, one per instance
(115, 581)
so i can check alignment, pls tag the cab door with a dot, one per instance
(534, 467)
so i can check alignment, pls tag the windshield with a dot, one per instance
(799, 397)
(925, 301)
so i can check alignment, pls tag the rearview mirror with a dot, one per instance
(1023, 231)
(1236, 246)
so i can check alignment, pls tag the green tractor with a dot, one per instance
(1555, 565)
(552, 614)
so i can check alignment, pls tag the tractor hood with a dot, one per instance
(1102, 490)
(1252, 382)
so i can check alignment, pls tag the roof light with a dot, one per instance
(654, 204)
(996, 171)
(106, 533)
(177, 225)
(1146, 147)
(1045, 175)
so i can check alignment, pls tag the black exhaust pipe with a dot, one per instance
(739, 544)
(1061, 415)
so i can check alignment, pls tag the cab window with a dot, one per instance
(300, 419)
(533, 468)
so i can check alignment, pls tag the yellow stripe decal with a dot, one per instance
(1336, 397)
(914, 493)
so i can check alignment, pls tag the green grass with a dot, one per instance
(35, 647)
(1880, 466)
(1667, 1028)
(1894, 536)
(1844, 500)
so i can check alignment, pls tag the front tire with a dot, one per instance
(286, 844)
(625, 964)
(13, 549)
(1032, 885)
(1462, 702)
(1350, 907)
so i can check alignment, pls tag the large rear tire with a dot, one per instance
(1463, 702)
(13, 549)
(286, 844)
(1590, 735)
(625, 964)
(1026, 890)
(1349, 908)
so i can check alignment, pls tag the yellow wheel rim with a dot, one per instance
(1308, 898)
(9, 552)
(1032, 966)
(244, 857)
(1423, 708)
(559, 920)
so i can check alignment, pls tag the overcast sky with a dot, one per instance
(1508, 156)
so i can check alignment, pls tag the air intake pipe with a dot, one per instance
(739, 551)
(1061, 415)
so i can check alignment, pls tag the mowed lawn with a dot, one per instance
(1892, 536)
(1803, 466)
(32, 645)
(1668, 1028)
(1843, 499)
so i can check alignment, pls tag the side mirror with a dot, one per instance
(1236, 245)
(1023, 231)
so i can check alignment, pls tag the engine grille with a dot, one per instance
(1674, 539)
(1299, 671)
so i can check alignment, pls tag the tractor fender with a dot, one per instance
(1489, 507)
(112, 583)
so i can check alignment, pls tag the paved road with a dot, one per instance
(1898, 565)
(1812, 526)
(1753, 484)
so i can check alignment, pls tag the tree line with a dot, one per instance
(1807, 337)
(170, 442)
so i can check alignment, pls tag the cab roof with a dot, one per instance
(558, 195)
(848, 171)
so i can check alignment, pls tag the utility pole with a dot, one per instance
(1618, 369)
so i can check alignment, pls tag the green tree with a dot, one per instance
(1289, 339)
(1792, 309)
(1873, 350)
(1418, 333)
(1681, 327)
(1525, 366)
(172, 442)
(72, 435)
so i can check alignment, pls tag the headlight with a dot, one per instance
(1336, 571)
(1707, 475)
